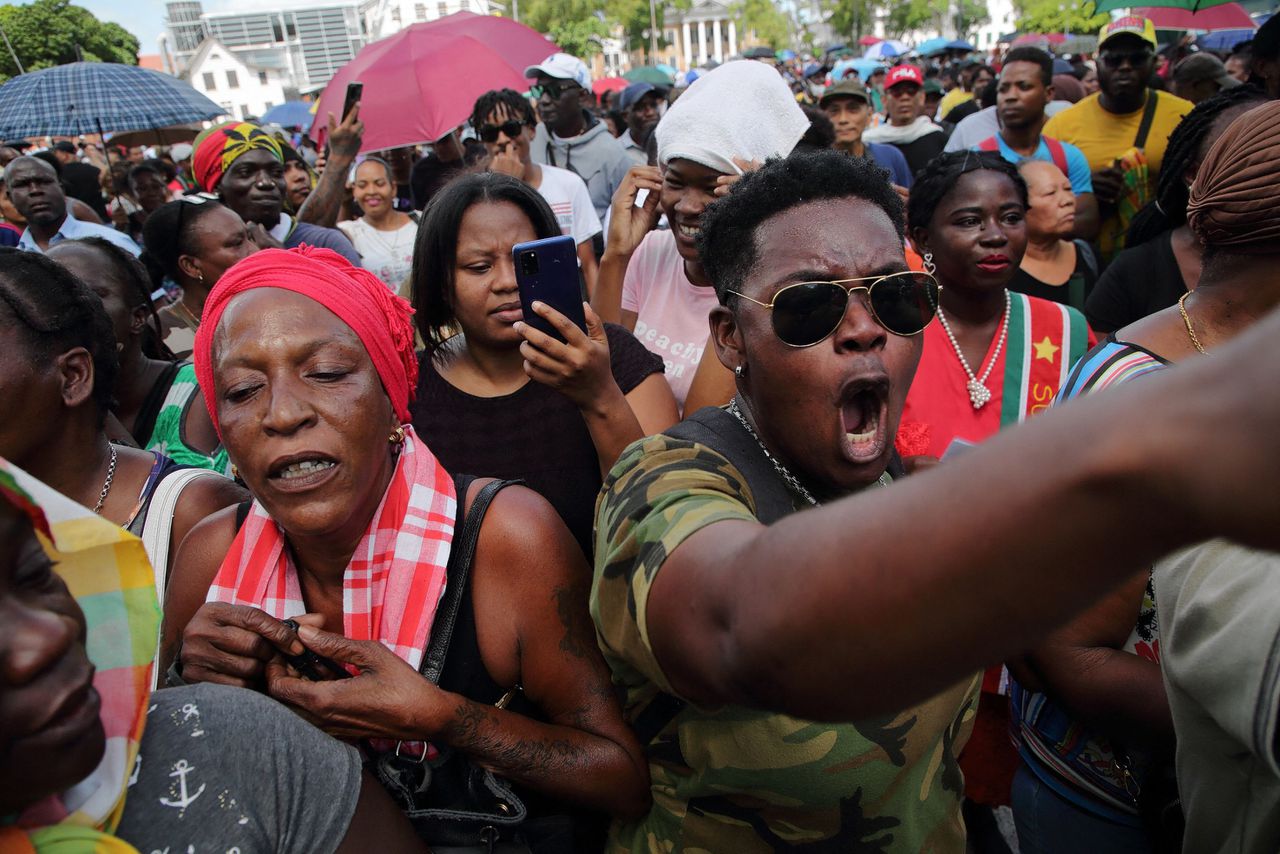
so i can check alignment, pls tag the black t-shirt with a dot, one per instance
(919, 153)
(535, 433)
(1073, 292)
(1140, 281)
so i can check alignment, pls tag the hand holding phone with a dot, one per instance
(313, 666)
(547, 271)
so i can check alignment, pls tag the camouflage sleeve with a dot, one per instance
(660, 492)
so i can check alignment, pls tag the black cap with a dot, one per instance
(67, 146)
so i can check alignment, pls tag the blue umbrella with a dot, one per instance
(864, 67)
(786, 54)
(1224, 40)
(931, 46)
(290, 114)
(90, 97)
(960, 44)
(886, 50)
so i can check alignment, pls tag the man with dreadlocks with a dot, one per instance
(505, 123)
(1162, 261)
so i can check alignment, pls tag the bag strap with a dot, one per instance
(1085, 251)
(157, 533)
(145, 423)
(1058, 153)
(461, 556)
(1148, 116)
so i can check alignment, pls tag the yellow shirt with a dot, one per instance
(1103, 136)
(951, 100)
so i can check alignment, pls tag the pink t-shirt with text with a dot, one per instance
(671, 312)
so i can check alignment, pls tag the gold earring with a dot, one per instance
(235, 472)
(397, 436)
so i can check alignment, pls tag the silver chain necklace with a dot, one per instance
(106, 487)
(790, 479)
(979, 394)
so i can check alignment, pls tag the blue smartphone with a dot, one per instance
(547, 271)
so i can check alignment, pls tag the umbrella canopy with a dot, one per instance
(83, 97)
(1228, 16)
(609, 84)
(929, 47)
(1039, 39)
(868, 41)
(864, 67)
(290, 114)
(960, 44)
(649, 74)
(886, 50)
(1224, 40)
(1193, 5)
(759, 52)
(786, 54)
(421, 83)
(160, 136)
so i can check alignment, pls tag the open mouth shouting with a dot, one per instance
(864, 408)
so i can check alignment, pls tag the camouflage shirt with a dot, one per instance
(734, 779)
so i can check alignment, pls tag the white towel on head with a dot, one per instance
(740, 109)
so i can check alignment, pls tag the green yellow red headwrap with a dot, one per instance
(219, 146)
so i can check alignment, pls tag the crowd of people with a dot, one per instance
(881, 502)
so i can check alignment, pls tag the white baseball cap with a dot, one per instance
(180, 151)
(562, 66)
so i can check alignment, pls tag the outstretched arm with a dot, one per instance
(325, 201)
(997, 547)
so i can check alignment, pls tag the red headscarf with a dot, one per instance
(380, 318)
(218, 147)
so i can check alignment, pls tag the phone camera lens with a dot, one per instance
(529, 263)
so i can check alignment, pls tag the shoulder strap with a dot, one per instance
(1086, 254)
(721, 432)
(242, 513)
(989, 144)
(157, 533)
(1148, 116)
(461, 556)
(1058, 153)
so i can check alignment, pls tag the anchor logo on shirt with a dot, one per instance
(181, 769)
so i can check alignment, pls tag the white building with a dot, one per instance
(231, 79)
(1002, 19)
(385, 17)
(708, 31)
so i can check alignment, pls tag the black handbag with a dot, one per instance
(455, 806)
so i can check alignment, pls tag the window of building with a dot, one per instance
(465, 5)
(420, 11)
(395, 16)
(233, 82)
(262, 77)
(442, 9)
(244, 111)
(210, 82)
(267, 106)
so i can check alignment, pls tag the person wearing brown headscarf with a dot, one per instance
(1067, 88)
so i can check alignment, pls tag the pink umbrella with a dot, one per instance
(1038, 39)
(1229, 16)
(609, 84)
(421, 83)
(868, 41)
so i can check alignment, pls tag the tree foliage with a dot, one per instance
(572, 24)
(1052, 16)
(853, 18)
(53, 32)
(765, 19)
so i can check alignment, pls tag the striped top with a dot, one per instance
(1110, 363)
(1077, 763)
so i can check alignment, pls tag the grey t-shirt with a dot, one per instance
(1219, 609)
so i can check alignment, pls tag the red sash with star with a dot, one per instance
(1045, 340)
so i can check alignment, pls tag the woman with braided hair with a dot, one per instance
(1162, 256)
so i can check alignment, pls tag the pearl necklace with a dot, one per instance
(783, 472)
(979, 394)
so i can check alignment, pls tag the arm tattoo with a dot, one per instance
(479, 732)
(575, 620)
(321, 207)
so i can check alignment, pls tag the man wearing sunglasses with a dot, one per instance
(569, 136)
(1124, 128)
(504, 122)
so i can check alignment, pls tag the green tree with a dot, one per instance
(572, 24)
(853, 19)
(908, 15)
(1057, 16)
(765, 19)
(970, 14)
(53, 32)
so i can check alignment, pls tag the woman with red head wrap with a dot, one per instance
(307, 367)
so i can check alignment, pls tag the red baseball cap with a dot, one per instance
(903, 74)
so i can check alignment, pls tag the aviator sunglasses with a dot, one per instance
(489, 133)
(808, 312)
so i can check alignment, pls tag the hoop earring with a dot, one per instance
(397, 436)
(929, 266)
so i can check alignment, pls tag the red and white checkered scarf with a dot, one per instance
(396, 576)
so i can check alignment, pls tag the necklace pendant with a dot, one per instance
(978, 394)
